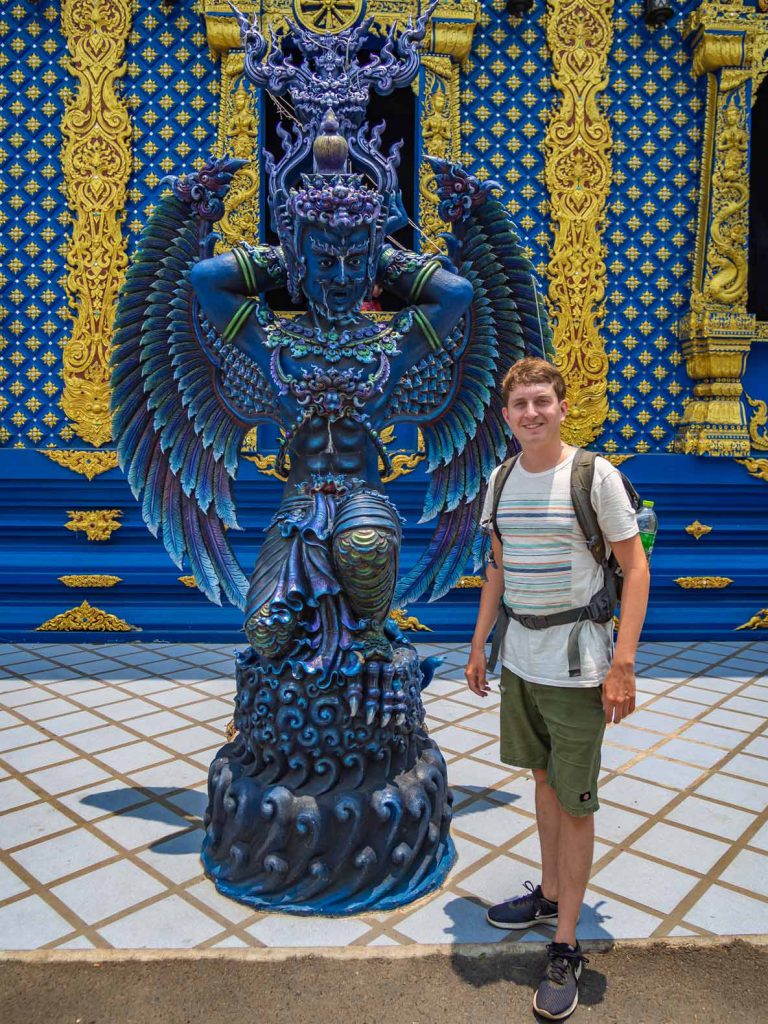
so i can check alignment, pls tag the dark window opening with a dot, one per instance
(757, 281)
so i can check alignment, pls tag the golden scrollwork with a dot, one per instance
(578, 175)
(87, 464)
(96, 160)
(756, 467)
(239, 135)
(87, 619)
(758, 436)
(726, 274)
(703, 582)
(97, 524)
(440, 135)
(188, 581)
(231, 730)
(616, 460)
(758, 621)
(469, 582)
(697, 529)
(90, 581)
(406, 621)
(331, 16)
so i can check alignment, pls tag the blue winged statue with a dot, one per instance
(331, 798)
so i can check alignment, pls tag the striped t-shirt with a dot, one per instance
(547, 567)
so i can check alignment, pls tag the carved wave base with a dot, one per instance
(343, 818)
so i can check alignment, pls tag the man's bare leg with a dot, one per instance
(548, 822)
(576, 846)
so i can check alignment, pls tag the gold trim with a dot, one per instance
(578, 175)
(239, 135)
(97, 524)
(188, 581)
(697, 529)
(440, 136)
(759, 419)
(90, 581)
(96, 161)
(87, 464)
(703, 582)
(87, 619)
(616, 460)
(756, 467)
(406, 621)
(328, 16)
(758, 621)
(469, 582)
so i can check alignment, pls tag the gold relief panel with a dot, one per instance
(96, 159)
(239, 136)
(758, 435)
(697, 529)
(756, 467)
(440, 137)
(87, 464)
(406, 621)
(758, 621)
(703, 582)
(96, 524)
(87, 619)
(578, 175)
(90, 581)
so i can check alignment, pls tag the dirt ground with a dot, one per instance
(657, 983)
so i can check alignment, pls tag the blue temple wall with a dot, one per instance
(656, 110)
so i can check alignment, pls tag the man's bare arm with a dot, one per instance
(490, 596)
(619, 687)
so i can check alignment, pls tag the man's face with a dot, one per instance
(336, 278)
(534, 414)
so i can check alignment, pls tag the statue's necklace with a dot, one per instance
(363, 345)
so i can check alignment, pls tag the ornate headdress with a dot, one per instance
(351, 182)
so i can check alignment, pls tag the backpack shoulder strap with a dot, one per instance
(582, 475)
(498, 486)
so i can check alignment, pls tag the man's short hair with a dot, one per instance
(532, 371)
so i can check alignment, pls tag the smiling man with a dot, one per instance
(561, 680)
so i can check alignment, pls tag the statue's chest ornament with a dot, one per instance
(332, 394)
(363, 344)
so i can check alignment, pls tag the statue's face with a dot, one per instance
(336, 279)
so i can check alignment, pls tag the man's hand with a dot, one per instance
(475, 673)
(619, 692)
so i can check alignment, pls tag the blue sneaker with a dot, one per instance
(523, 911)
(558, 994)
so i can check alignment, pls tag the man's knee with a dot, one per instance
(540, 776)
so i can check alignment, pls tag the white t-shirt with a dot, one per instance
(548, 568)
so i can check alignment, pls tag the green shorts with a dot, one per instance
(559, 728)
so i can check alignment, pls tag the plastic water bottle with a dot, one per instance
(648, 524)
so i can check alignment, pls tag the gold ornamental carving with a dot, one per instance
(469, 583)
(87, 619)
(406, 621)
(96, 161)
(90, 581)
(239, 136)
(440, 137)
(87, 464)
(331, 16)
(758, 436)
(758, 621)
(697, 529)
(578, 175)
(616, 460)
(97, 524)
(756, 467)
(188, 581)
(703, 582)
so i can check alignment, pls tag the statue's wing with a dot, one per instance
(455, 395)
(182, 398)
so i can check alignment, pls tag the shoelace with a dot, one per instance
(557, 970)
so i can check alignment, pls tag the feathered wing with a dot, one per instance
(454, 395)
(182, 398)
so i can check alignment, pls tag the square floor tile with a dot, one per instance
(148, 687)
(170, 924)
(229, 910)
(63, 777)
(63, 855)
(282, 930)
(171, 775)
(30, 923)
(192, 739)
(468, 854)
(714, 735)
(758, 747)
(452, 737)
(14, 794)
(605, 917)
(636, 795)
(26, 759)
(107, 798)
(204, 710)
(105, 738)
(10, 885)
(731, 719)
(615, 758)
(125, 710)
(657, 722)
(178, 858)
(727, 822)
(645, 882)
(749, 870)
(691, 753)
(158, 722)
(74, 723)
(490, 822)
(750, 795)
(21, 736)
(141, 825)
(615, 823)
(677, 708)
(747, 706)
(726, 912)
(107, 891)
(679, 846)
(499, 880)
(101, 697)
(760, 838)
(755, 768)
(449, 919)
(666, 773)
(31, 823)
(133, 756)
(466, 772)
(627, 736)
(43, 709)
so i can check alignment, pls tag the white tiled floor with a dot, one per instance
(103, 763)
